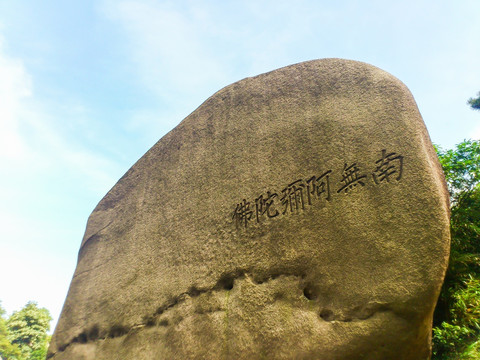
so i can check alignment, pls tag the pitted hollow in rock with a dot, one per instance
(225, 283)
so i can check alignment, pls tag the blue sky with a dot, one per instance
(87, 87)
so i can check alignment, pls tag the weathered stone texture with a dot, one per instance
(298, 214)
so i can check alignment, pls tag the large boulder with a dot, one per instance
(298, 214)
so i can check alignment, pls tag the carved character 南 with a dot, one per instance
(388, 165)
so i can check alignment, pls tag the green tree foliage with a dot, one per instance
(7, 349)
(27, 331)
(456, 333)
(475, 102)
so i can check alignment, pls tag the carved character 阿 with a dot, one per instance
(318, 185)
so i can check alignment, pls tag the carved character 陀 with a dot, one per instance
(264, 205)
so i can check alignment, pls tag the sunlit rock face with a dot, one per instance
(298, 214)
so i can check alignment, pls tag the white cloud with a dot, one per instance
(62, 151)
(15, 86)
(31, 142)
(167, 46)
(50, 179)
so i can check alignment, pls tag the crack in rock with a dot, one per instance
(225, 283)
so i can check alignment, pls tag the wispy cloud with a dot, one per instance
(170, 53)
(30, 138)
(49, 177)
(15, 87)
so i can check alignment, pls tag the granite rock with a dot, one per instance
(298, 214)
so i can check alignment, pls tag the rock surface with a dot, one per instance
(298, 214)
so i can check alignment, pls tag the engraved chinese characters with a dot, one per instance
(301, 193)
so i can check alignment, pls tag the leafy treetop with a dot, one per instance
(28, 329)
(475, 102)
